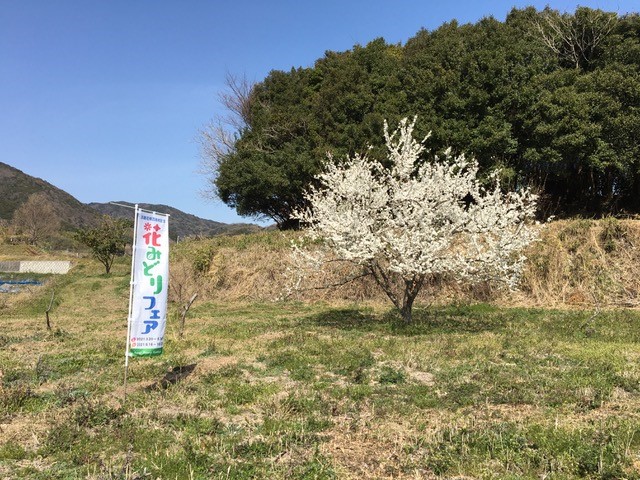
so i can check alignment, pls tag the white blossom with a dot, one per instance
(418, 218)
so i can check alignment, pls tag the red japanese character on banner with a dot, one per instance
(152, 237)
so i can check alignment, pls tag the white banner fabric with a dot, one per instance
(150, 284)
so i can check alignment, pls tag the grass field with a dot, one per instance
(292, 390)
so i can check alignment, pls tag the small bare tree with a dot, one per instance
(184, 288)
(4, 230)
(36, 218)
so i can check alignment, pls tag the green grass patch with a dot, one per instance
(288, 390)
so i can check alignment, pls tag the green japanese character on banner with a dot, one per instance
(147, 268)
(157, 282)
(153, 253)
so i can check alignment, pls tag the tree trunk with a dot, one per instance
(185, 310)
(107, 266)
(46, 312)
(412, 288)
(405, 311)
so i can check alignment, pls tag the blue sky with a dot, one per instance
(105, 99)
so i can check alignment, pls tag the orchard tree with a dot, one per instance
(415, 219)
(107, 240)
(36, 218)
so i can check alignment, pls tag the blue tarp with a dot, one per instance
(12, 286)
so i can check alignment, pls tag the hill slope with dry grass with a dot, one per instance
(587, 263)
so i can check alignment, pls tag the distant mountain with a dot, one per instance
(16, 187)
(181, 224)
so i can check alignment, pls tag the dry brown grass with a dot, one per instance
(24, 252)
(584, 263)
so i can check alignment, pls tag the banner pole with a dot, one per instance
(131, 284)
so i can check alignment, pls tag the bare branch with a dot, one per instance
(328, 286)
(46, 312)
(217, 139)
(237, 100)
(185, 310)
(575, 38)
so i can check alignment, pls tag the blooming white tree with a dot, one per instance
(417, 219)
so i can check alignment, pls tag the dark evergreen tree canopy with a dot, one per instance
(552, 99)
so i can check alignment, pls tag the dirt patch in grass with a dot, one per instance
(28, 431)
(369, 447)
(208, 365)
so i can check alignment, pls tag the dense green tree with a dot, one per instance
(552, 99)
(107, 240)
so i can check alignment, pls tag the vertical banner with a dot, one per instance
(150, 282)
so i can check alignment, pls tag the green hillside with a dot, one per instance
(16, 187)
